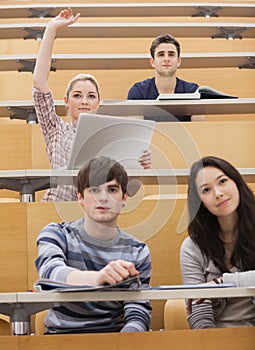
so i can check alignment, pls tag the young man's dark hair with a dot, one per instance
(165, 38)
(97, 171)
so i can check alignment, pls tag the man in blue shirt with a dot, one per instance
(165, 59)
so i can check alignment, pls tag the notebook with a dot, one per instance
(44, 284)
(123, 139)
(193, 286)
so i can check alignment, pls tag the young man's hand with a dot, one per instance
(116, 271)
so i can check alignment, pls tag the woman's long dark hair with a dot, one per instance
(204, 227)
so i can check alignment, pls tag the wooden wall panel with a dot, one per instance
(13, 247)
(15, 147)
(39, 158)
(209, 339)
(9, 343)
(178, 145)
(114, 84)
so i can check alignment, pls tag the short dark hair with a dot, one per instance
(97, 171)
(164, 38)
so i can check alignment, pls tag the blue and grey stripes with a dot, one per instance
(65, 247)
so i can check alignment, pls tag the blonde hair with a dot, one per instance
(82, 77)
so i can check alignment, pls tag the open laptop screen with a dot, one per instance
(123, 139)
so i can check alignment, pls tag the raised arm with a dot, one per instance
(43, 62)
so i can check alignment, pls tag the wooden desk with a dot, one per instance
(27, 182)
(141, 107)
(132, 30)
(177, 107)
(151, 294)
(142, 9)
(20, 306)
(25, 62)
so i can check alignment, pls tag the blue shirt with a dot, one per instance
(147, 90)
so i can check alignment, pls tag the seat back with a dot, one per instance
(39, 322)
(5, 325)
(175, 315)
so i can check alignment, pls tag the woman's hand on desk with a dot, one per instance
(201, 300)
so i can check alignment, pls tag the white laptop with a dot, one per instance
(123, 139)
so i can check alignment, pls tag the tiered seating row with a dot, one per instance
(24, 110)
(132, 30)
(157, 221)
(87, 62)
(143, 9)
(19, 237)
(175, 144)
(104, 45)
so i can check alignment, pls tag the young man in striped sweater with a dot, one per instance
(94, 251)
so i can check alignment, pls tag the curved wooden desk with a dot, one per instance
(20, 306)
(27, 182)
(132, 30)
(25, 109)
(26, 62)
(177, 107)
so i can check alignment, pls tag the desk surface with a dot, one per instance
(56, 297)
(135, 295)
(144, 107)
(45, 178)
(25, 62)
(132, 30)
(20, 306)
(131, 9)
(15, 179)
(178, 107)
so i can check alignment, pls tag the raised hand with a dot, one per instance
(64, 19)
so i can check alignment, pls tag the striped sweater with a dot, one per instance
(66, 247)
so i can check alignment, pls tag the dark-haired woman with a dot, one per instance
(221, 243)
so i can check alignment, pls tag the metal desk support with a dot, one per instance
(20, 315)
(25, 186)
